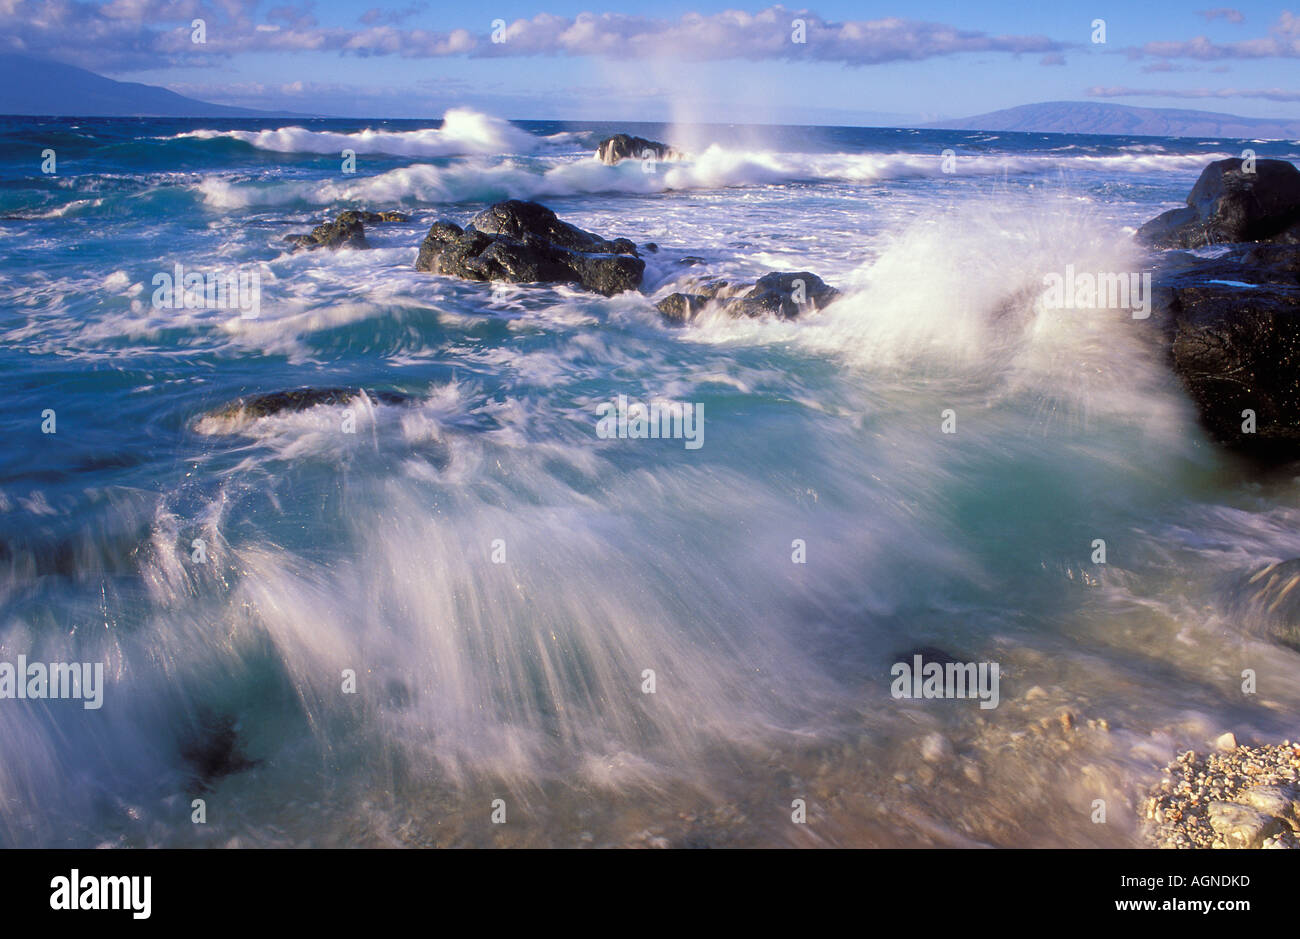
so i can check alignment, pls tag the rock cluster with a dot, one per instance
(346, 231)
(1232, 322)
(524, 242)
(1236, 797)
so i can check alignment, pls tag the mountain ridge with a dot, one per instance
(32, 87)
(1095, 117)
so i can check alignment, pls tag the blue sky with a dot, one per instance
(863, 62)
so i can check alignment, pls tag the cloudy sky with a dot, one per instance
(860, 62)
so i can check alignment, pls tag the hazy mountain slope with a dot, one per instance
(42, 87)
(1094, 117)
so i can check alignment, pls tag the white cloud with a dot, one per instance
(150, 33)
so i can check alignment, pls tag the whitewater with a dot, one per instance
(495, 579)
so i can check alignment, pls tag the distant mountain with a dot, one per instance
(1094, 117)
(40, 87)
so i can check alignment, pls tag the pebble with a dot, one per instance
(1236, 796)
(935, 748)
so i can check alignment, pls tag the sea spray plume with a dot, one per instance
(524, 670)
(963, 296)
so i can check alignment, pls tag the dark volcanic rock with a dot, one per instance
(300, 399)
(371, 218)
(340, 233)
(1230, 205)
(214, 750)
(519, 220)
(346, 231)
(680, 308)
(1233, 325)
(784, 295)
(523, 242)
(625, 147)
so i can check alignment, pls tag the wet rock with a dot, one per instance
(626, 147)
(1228, 204)
(1268, 601)
(1242, 826)
(784, 295)
(300, 399)
(524, 242)
(787, 295)
(679, 308)
(214, 750)
(1233, 328)
(397, 695)
(521, 220)
(340, 233)
(371, 218)
(347, 230)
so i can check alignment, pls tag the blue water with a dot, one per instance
(373, 551)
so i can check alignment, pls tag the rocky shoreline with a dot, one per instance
(1231, 320)
(1225, 306)
(1235, 797)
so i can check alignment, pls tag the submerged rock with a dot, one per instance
(524, 242)
(339, 233)
(346, 231)
(1233, 326)
(215, 750)
(1267, 602)
(783, 295)
(371, 218)
(626, 147)
(1228, 204)
(291, 401)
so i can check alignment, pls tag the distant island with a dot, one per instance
(42, 87)
(1094, 117)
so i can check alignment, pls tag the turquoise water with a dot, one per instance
(376, 552)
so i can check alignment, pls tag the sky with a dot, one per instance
(681, 60)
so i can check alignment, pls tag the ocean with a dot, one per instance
(465, 618)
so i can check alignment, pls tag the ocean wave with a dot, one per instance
(463, 132)
(717, 167)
